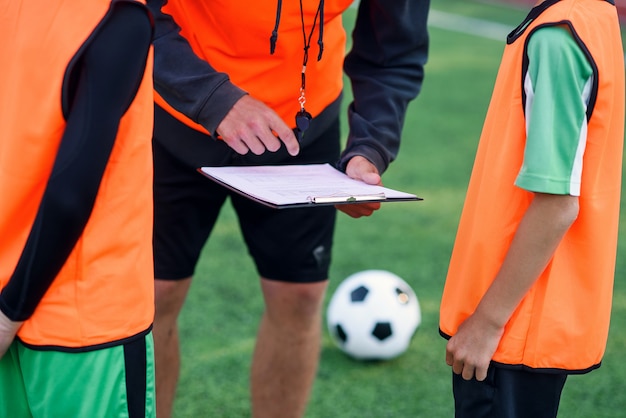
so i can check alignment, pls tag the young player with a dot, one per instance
(76, 282)
(527, 298)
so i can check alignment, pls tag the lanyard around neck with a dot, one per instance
(303, 118)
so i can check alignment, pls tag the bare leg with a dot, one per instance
(170, 297)
(287, 349)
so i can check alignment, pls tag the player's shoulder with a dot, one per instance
(551, 37)
(554, 44)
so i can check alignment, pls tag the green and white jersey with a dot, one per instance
(557, 87)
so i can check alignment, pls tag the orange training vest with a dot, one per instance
(104, 292)
(234, 37)
(563, 321)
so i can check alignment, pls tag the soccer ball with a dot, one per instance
(373, 315)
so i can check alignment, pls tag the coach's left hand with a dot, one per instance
(360, 168)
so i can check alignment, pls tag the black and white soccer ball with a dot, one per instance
(373, 315)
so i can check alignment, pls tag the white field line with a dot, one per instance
(469, 25)
(463, 24)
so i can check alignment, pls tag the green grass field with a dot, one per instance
(413, 240)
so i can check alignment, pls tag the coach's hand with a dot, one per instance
(8, 329)
(252, 126)
(360, 168)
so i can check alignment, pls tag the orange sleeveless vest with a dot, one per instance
(234, 37)
(563, 321)
(104, 292)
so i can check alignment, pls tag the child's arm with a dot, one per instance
(546, 221)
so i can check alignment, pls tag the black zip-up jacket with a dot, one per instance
(385, 67)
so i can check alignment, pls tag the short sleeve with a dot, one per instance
(557, 86)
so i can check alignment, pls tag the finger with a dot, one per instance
(352, 211)
(237, 145)
(481, 373)
(449, 358)
(348, 210)
(457, 367)
(366, 209)
(360, 168)
(359, 210)
(287, 137)
(269, 141)
(371, 178)
(468, 372)
(254, 144)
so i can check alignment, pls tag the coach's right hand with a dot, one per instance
(252, 126)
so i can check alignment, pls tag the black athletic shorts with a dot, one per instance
(508, 393)
(291, 245)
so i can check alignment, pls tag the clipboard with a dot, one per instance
(296, 186)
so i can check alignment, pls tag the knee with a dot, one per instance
(299, 302)
(169, 298)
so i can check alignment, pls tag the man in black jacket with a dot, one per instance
(235, 86)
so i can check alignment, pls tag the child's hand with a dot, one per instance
(471, 349)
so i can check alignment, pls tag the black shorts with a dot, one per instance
(291, 245)
(508, 393)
